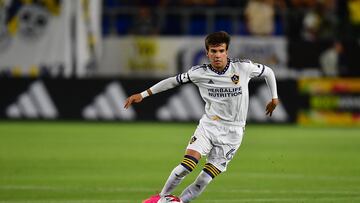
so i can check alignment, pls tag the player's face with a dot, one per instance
(217, 55)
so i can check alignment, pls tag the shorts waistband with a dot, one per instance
(218, 120)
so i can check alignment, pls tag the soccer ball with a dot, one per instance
(170, 199)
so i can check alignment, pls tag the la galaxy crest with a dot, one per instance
(235, 79)
(193, 139)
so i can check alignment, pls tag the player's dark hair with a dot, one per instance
(217, 38)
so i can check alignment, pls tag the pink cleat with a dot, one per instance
(152, 199)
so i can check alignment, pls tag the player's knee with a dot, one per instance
(211, 170)
(189, 162)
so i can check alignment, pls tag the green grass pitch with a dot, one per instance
(65, 162)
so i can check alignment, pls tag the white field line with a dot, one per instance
(292, 200)
(80, 188)
(68, 201)
(298, 176)
(280, 176)
(304, 192)
(228, 191)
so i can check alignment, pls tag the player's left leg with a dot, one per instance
(198, 186)
(187, 165)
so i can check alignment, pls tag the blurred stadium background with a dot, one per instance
(67, 66)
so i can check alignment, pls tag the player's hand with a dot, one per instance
(270, 107)
(135, 98)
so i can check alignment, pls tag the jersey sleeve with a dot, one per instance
(255, 69)
(168, 83)
(193, 74)
(183, 78)
(270, 79)
(174, 81)
(260, 70)
(161, 86)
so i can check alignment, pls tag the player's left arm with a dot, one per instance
(270, 79)
(260, 70)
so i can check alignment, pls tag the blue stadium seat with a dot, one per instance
(172, 25)
(242, 30)
(197, 25)
(112, 3)
(106, 25)
(123, 24)
(109, 3)
(223, 23)
(279, 26)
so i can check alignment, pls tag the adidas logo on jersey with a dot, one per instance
(107, 105)
(34, 103)
(211, 82)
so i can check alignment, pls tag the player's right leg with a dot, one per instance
(187, 165)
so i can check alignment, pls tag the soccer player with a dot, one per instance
(223, 85)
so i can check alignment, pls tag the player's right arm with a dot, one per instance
(161, 86)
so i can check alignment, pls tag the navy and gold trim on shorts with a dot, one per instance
(189, 162)
(211, 170)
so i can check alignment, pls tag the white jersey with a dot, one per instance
(225, 93)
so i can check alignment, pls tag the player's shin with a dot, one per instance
(178, 174)
(195, 189)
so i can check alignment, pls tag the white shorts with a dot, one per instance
(219, 142)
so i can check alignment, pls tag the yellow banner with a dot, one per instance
(330, 101)
(329, 85)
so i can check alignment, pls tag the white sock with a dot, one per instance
(196, 188)
(175, 178)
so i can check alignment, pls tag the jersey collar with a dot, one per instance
(220, 72)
